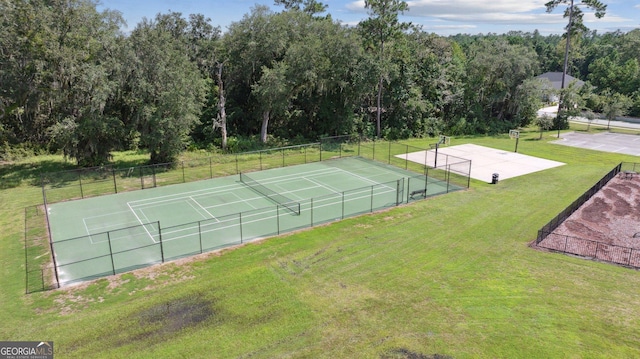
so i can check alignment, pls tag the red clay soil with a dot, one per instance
(610, 218)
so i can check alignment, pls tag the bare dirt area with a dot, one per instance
(606, 227)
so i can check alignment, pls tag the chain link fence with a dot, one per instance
(587, 247)
(169, 243)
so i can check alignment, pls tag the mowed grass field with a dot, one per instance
(452, 275)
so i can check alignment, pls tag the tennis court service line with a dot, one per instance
(142, 224)
(181, 195)
(321, 185)
(366, 179)
(204, 209)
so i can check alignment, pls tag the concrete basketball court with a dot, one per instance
(605, 141)
(486, 161)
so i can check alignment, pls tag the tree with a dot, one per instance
(167, 88)
(615, 105)
(496, 71)
(381, 28)
(221, 119)
(543, 122)
(575, 16)
(310, 7)
(272, 92)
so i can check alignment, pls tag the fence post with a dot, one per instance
(343, 205)
(372, 198)
(278, 218)
(389, 156)
(240, 216)
(115, 184)
(53, 254)
(183, 178)
(210, 168)
(406, 158)
(80, 181)
(113, 266)
(629, 259)
(200, 235)
(374, 150)
(153, 174)
(237, 171)
(283, 157)
(26, 257)
(160, 239)
(141, 178)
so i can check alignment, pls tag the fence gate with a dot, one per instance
(147, 177)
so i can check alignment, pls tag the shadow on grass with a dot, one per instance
(15, 174)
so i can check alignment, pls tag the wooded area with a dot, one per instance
(72, 81)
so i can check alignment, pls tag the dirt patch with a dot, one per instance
(173, 316)
(610, 216)
(604, 226)
(403, 353)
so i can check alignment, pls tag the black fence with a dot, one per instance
(586, 247)
(97, 181)
(198, 237)
(592, 249)
(39, 270)
(562, 216)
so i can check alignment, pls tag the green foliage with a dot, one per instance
(70, 81)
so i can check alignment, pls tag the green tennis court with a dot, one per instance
(111, 234)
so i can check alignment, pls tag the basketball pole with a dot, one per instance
(517, 139)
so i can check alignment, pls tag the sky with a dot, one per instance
(443, 17)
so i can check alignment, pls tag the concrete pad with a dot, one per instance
(485, 161)
(605, 141)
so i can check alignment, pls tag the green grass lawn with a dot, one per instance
(452, 275)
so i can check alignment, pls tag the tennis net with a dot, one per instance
(285, 202)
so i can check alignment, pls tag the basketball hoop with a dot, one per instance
(515, 134)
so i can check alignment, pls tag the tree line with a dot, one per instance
(71, 81)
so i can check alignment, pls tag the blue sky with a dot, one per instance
(444, 17)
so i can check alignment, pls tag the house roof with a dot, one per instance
(556, 79)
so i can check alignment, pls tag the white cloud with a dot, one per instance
(493, 11)
(459, 7)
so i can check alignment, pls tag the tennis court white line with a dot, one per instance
(145, 216)
(295, 176)
(321, 185)
(209, 191)
(143, 226)
(87, 229)
(187, 193)
(260, 217)
(241, 200)
(198, 203)
(365, 178)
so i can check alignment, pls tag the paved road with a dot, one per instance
(632, 123)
